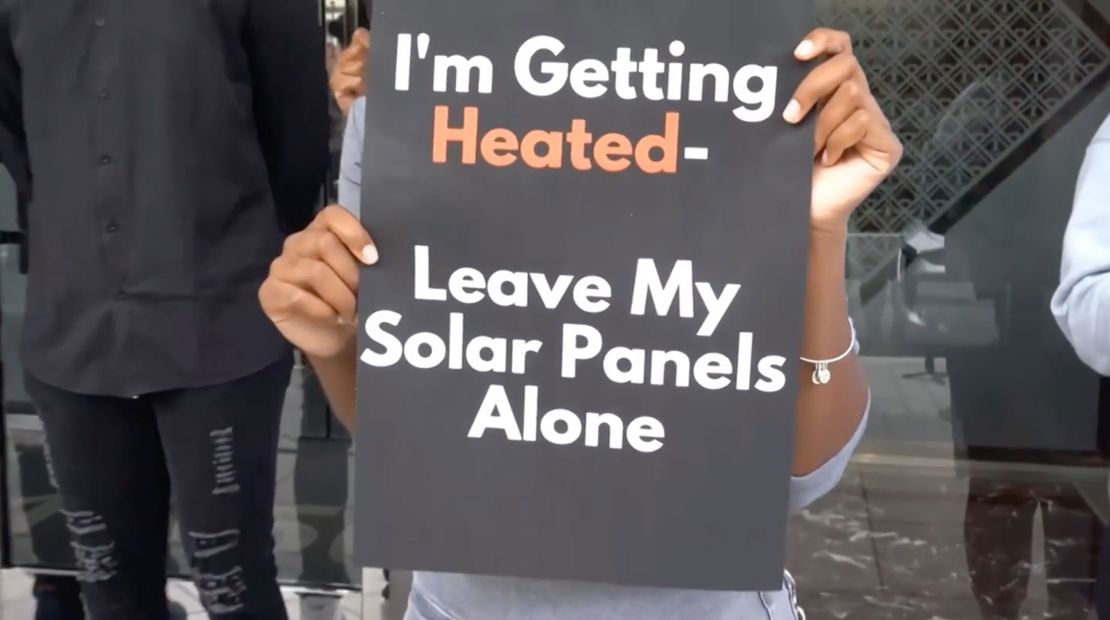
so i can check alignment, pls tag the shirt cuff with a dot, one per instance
(807, 489)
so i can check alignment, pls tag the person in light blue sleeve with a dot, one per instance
(311, 298)
(350, 163)
(1082, 302)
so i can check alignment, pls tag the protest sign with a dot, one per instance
(578, 352)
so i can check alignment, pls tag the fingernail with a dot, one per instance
(370, 255)
(793, 111)
(804, 49)
(825, 158)
(343, 321)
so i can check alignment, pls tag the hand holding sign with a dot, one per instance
(854, 145)
(310, 294)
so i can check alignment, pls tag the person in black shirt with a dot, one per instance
(165, 148)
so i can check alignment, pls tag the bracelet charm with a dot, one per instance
(821, 373)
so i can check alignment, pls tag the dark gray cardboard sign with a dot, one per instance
(573, 494)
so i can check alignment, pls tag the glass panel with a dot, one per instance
(341, 18)
(314, 498)
(7, 194)
(956, 258)
(38, 533)
(980, 490)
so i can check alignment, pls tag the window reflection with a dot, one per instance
(316, 446)
(981, 491)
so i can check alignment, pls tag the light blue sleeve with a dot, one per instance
(1082, 302)
(807, 489)
(350, 161)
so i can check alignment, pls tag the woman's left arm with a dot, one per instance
(854, 151)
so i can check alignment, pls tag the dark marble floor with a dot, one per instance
(900, 538)
(889, 542)
(930, 545)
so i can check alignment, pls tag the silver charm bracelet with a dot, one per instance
(821, 374)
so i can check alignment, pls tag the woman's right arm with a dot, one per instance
(318, 273)
(337, 373)
(337, 376)
(310, 296)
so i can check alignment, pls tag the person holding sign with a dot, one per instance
(311, 297)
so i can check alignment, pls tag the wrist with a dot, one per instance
(829, 231)
(828, 256)
(826, 241)
(342, 350)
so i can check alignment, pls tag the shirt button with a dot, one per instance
(105, 160)
(121, 295)
(100, 21)
(112, 227)
(102, 94)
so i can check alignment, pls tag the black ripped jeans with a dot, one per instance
(118, 461)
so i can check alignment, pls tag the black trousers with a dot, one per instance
(118, 462)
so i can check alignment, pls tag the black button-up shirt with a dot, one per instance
(163, 148)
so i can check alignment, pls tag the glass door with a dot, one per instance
(313, 507)
(35, 534)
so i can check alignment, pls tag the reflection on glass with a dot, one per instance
(999, 525)
(320, 489)
(980, 491)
